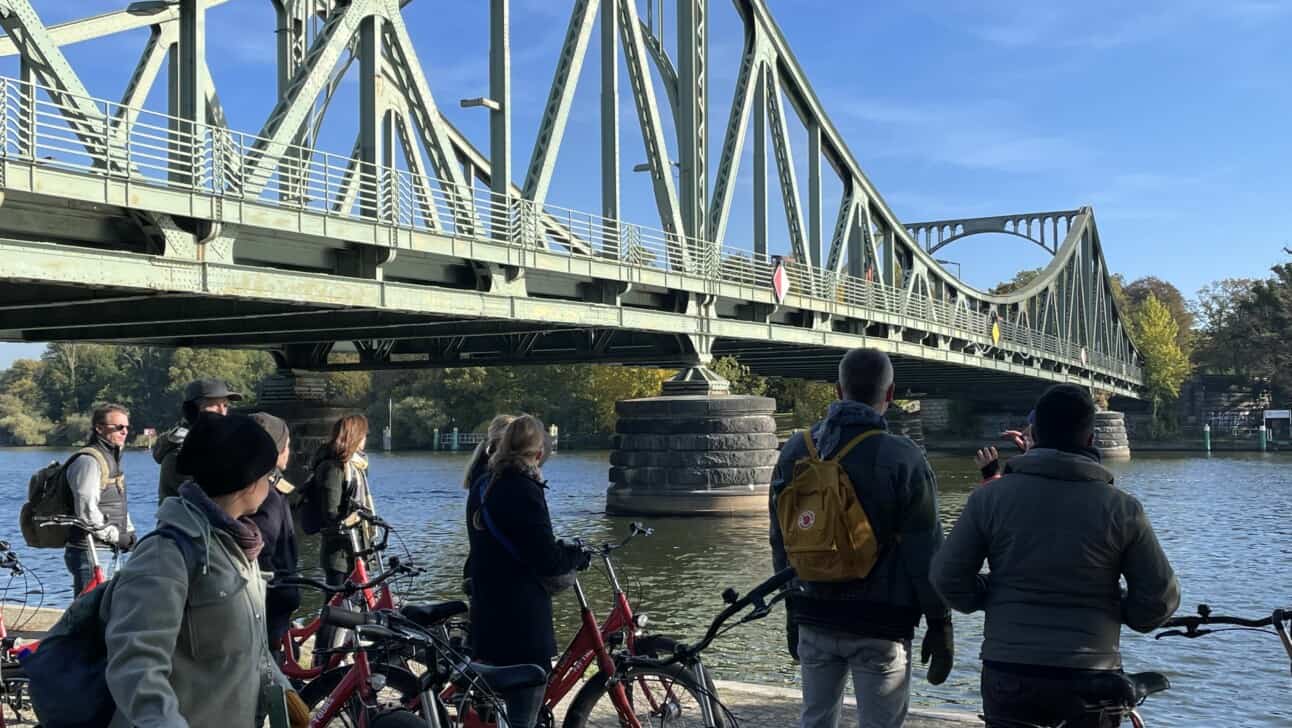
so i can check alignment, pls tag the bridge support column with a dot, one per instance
(1110, 435)
(300, 398)
(696, 450)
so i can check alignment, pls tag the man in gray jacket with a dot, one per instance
(865, 626)
(98, 494)
(1057, 536)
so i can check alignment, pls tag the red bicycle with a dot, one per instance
(368, 597)
(13, 680)
(644, 699)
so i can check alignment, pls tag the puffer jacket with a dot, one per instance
(899, 493)
(1057, 536)
(187, 652)
(166, 454)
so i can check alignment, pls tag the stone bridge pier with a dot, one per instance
(695, 450)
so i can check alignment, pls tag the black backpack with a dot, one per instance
(67, 671)
(309, 511)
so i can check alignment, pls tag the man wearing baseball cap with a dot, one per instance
(203, 395)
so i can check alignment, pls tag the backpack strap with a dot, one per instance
(194, 557)
(492, 527)
(811, 446)
(853, 443)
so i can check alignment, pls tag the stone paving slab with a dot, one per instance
(765, 706)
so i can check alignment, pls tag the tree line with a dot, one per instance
(47, 401)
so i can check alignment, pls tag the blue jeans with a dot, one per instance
(81, 566)
(881, 677)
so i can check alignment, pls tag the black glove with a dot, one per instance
(126, 541)
(582, 559)
(939, 644)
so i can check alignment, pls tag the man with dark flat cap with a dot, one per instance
(203, 395)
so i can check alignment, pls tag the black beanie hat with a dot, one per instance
(226, 453)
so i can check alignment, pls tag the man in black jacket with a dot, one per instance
(1058, 537)
(865, 626)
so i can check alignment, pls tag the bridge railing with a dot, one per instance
(99, 137)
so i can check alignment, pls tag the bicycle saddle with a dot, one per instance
(510, 677)
(429, 615)
(1120, 690)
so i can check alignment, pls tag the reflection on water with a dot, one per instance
(1222, 520)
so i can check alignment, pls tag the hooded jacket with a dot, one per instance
(899, 493)
(1057, 536)
(187, 651)
(165, 454)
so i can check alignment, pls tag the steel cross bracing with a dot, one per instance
(259, 206)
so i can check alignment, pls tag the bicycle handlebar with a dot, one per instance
(349, 587)
(1205, 617)
(756, 598)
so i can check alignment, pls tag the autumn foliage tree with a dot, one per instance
(1166, 365)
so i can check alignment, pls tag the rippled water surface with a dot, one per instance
(1223, 521)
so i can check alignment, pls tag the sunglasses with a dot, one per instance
(116, 428)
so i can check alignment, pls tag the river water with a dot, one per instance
(1223, 520)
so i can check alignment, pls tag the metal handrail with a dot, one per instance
(164, 151)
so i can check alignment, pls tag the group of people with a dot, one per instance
(1058, 537)
(185, 613)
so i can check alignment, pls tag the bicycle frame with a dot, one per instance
(296, 637)
(357, 680)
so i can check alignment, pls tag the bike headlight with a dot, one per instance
(641, 620)
(378, 682)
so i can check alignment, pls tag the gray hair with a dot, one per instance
(865, 375)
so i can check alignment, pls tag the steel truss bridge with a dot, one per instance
(418, 248)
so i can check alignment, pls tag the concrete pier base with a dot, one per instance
(694, 451)
(1110, 435)
(300, 398)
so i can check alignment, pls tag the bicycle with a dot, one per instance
(352, 695)
(682, 668)
(13, 679)
(368, 598)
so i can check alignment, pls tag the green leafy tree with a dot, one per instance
(1020, 280)
(1165, 364)
(1264, 324)
(1138, 290)
(20, 424)
(743, 380)
(1220, 348)
(242, 369)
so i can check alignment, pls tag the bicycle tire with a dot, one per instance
(657, 695)
(404, 687)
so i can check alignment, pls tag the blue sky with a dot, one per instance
(1170, 117)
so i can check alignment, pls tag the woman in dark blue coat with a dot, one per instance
(512, 551)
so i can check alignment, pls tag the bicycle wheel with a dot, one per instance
(668, 696)
(15, 703)
(402, 691)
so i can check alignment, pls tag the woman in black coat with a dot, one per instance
(512, 550)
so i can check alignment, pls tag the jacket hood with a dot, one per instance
(1059, 465)
(849, 416)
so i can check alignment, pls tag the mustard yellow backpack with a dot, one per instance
(827, 534)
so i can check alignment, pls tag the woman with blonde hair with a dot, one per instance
(513, 552)
(479, 464)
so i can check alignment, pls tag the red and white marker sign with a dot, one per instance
(780, 282)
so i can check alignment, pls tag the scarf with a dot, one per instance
(243, 530)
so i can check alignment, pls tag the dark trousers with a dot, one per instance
(81, 567)
(1016, 694)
